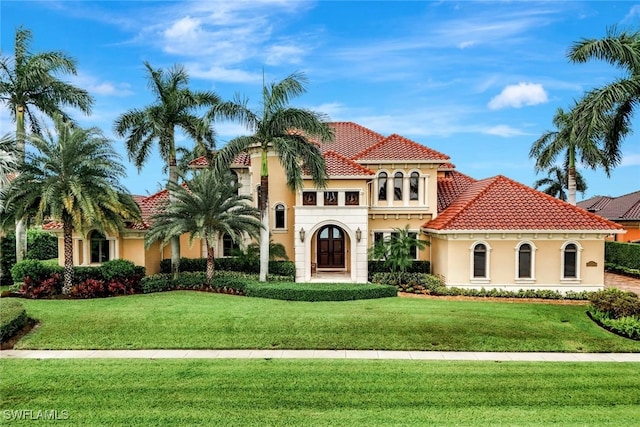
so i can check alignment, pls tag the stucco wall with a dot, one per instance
(453, 260)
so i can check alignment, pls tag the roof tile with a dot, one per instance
(396, 147)
(500, 203)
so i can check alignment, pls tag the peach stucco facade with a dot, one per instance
(378, 184)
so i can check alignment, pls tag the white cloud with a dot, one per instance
(95, 86)
(630, 160)
(519, 95)
(284, 54)
(634, 12)
(504, 131)
(222, 74)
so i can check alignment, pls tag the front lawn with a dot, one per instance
(198, 320)
(321, 392)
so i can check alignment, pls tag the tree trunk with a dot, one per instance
(21, 227)
(210, 264)
(264, 231)
(571, 184)
(67, 232)
(175, 241)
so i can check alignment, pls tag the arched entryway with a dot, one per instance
(330, 250)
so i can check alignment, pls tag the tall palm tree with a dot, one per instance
(206, 207)
(557, 182)
(610, 107)
(287, 131)
(72, 177)
(175, 106)
(563, 142)
(8, 160)
(29, 83)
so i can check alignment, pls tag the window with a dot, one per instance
(330, 198)
(397, 186)
(524, 261)
(234, 180)
(378, 237)
(570, 262)
(99, 246)
(480, 261)
(413, 251)
(382, 186)
(414, 185)
(280, 216)
(352, 198)
(309, 198)
(228, 246)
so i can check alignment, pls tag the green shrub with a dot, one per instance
(35, 269)
(243, 264)
(41, 244)
(120, 269)
(12, 317)
(616, 303)
(628, 326)
(223, 281)
(622, 254)
(621, 269)
(319, 292)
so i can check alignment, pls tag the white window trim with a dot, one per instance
(420, 184)
(576, 279)
(525, 280)
(487, 278)
(377, 187)
(273, 209)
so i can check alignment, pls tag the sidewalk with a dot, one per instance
(319, 354)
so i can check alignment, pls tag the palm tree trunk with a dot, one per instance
(263, 204)
(210, 264)
(571, 185)
(21, 229)
(67, 232)
(175, 241)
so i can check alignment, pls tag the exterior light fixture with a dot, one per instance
(358, 234)
(302, 232)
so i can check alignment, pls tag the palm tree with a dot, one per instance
(287, 131)
(205, 207)
(174, 107)
(556, 183)
(28, 83)
(72, 178)
(8, 160)
(609, 107)
(395, 250)
(563, 141)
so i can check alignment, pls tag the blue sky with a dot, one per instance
(477, 80)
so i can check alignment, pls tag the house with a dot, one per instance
(487, 233)
(624, 210)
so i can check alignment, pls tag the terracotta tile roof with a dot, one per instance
(396, 147)
(622, 208)
(350, 139)
(500, 203)
(446, 167)
(450, 186)
(241, 159)
(339, 165)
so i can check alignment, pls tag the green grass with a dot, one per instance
(323, 392)
(213, 321)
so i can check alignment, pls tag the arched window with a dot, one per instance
(570, 262)
(414, 185)
(480, 261)
(280, 216)
(382, 186)
(524, 261)
(397, 186)
(99, 246)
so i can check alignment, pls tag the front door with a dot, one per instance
(330, 247)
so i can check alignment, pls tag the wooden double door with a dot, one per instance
(331, 247)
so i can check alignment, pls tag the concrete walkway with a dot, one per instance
(319, 354)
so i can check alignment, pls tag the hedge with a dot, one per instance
(277, 268)
(12, 317)
(622, 254)
(319, 292)
(227, 282)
